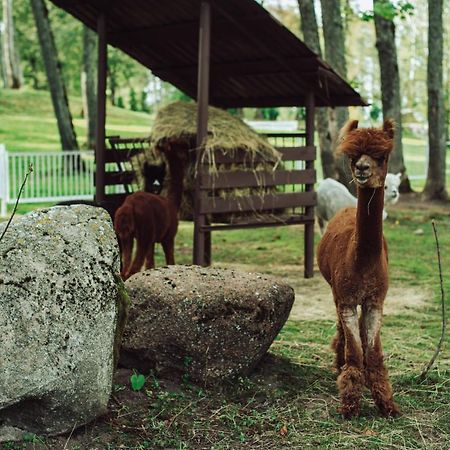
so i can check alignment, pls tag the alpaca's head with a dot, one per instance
(124, 222)
(368, 150)
(391, 188)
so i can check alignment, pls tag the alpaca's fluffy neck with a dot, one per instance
(369, 223)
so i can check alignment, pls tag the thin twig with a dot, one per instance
(194, 402)
(444, 318)
(70, 435)
(30, 169)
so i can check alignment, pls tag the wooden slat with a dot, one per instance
(116, 197)
(304, 153)
(298, 219)
(284, 135)
(116, 178)
(210, 205)
(116, 140)
(122, 155)
(242, 178)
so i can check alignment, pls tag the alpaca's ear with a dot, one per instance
(389, 127)
(349, 126)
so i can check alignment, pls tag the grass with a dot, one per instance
(27, 121)
(290, 401)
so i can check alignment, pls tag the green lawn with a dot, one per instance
(290, 401)
(27, 121)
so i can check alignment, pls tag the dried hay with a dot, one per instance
(225, 132)
(177, 123)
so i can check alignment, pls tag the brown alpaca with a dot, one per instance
(149, 218)
(353, 258)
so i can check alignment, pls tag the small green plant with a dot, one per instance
(137, 381)
(187, 360)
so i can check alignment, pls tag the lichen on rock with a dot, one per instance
(59, 316)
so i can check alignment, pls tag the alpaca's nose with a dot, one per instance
(362, 166)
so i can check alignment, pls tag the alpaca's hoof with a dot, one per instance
(390, 410)
(349, 411)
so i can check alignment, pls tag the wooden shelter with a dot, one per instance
(227, 53)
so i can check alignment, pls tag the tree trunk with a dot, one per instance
(311, 38)
(390, 90)
(112, 86)
(334, 40)
(54, 76)
(435, 184)
(10, 60)
(2, 64)
(89, 85)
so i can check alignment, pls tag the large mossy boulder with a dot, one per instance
(62, 308)
(206, 324)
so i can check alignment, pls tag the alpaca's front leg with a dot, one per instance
(377, 377)
(169, 250)
(351, 379)
(150, 258)
(338, 345)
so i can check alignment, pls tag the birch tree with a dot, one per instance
(435, 183)
(10, 60)
(88, 84)
(311, 38)
(384, 14)
(334, 40)
(54, 76)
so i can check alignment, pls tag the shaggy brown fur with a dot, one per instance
(352, 257)
(149, 218)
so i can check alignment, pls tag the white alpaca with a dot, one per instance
(333, 196)
(391, 185)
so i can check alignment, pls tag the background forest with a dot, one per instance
(42, 44)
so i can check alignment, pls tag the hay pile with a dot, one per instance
(225, 132)
(177, 122)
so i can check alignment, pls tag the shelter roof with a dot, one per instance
(255, 60)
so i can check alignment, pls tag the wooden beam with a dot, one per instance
(200, 250)
(245, 68)
(309, 188)
(262, 179)
(305, 153)
(101, 111)
(258, 203)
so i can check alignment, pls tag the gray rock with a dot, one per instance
(61, 309)
(204, 323)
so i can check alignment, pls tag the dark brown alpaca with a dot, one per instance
(149, 219)
(353, 258)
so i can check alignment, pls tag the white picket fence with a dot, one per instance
(54, 178)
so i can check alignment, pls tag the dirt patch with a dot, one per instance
(313, 298)
(317, 302)
(414, 201)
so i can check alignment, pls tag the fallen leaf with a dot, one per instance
(369, 432)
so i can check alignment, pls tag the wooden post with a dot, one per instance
(202, 241)
(309, 210)
(101, 111)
